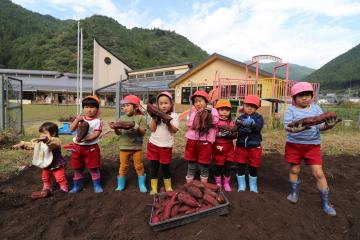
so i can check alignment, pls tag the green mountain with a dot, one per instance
(340, 73)
(296, 72)
(30, 40)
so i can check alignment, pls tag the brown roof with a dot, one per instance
(211, 58)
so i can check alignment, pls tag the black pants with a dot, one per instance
(242, 167)
(223, 170)
(165, 168)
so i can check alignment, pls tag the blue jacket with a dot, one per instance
(250, 137)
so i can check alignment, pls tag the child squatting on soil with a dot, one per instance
(200, 136)
(304, 143)
(86, 153)
(248, 145)
(49, 134)
(223, 148)
(130, 142)
(161, 141)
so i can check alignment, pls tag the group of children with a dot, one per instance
(210, 139)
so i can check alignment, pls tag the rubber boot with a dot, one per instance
(227, 187)
(253, 184)
(141, 183)
(293, 197)
(167, 183)
(97, 186)
(154, 186)
(241, 183)
(78, 186)
(189, 179)
(120, 183)
(203, 179)
(218, 181)
(328, 208)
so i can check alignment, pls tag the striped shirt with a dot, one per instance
(309, 136)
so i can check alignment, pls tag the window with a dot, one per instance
(169, 73)
(185, 95)
(149, 74)
(132, 76)
(140, 76)
(158, 74)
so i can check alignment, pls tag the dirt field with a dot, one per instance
(123, 215)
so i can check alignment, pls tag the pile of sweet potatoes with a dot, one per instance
(191, 198)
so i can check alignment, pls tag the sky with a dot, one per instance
(305, 32)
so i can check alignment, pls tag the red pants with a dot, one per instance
(85, 156)
(58, 173)
(199, 151)
(163, 154)
(250, 156)
(223, 151)
(311, 153)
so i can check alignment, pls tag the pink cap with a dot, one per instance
(301, 87)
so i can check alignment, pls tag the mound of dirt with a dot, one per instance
(123, 215)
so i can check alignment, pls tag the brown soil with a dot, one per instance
(123, 215)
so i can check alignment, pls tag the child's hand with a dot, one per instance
(20, 145)
(297, 128)
(79, 118)
(248, 122)
(111, 125)
(330, 123)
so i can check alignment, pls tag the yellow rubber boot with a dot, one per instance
(167, 183)
(154, 185)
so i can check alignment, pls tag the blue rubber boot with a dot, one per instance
(120, 183)
(241, 183)
(97, 186)
(328, 208)
(253, 184)
(141, 180)
(293, 197)
(78, 186)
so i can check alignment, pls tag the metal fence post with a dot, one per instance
(2, 107)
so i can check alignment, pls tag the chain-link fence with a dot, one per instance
(11, 110)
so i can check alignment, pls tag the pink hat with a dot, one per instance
(169, 96)
(301, 87)
(165, 94)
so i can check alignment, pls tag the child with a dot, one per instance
(200, 136)
(86, 153)
(223, 148)
(130, 142)
(304, 143)
(248, 145)
(50, 136)
(159, 147)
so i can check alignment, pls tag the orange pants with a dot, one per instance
(58, 173)
(124, 162)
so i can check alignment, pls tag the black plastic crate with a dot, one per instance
(222, 209)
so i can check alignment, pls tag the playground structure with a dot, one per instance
(275, 90)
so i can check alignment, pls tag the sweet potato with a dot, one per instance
(220, 198)
(194, 191)
(310, 121)
(167, 208)
(188, 200)
(184, 208)
(155, 112)
(171, 193)
(211, 186)
(124, 124)
(229, 128)
(155, 219)
(82, 130)
(174, 210)
(204, 207)
(210, 200)
(196, 183)
(210, 192)
(191, 210)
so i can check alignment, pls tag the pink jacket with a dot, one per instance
(195, 135)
